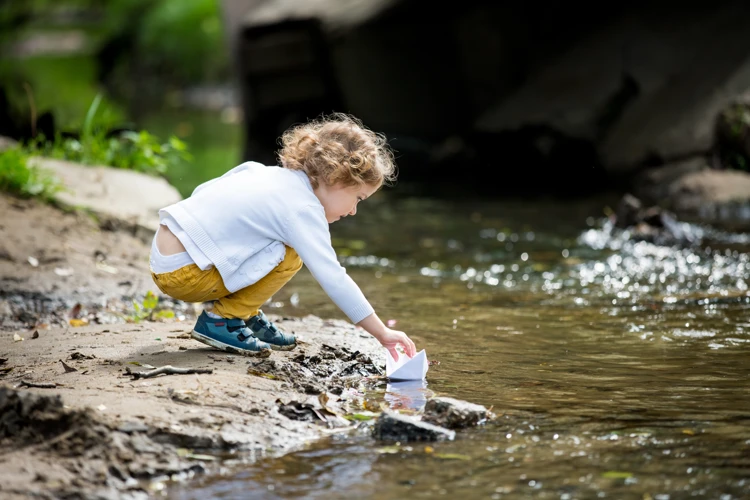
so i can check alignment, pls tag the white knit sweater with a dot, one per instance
(241, 221)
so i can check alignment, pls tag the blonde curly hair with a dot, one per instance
(338, 149)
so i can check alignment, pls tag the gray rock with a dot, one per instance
(454, 413)
(714, 195)
(392, 426)
(128, 196)
(7, 143)
(652, 185)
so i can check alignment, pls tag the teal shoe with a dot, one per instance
(266, 331)
(229, 335)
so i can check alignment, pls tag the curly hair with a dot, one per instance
(338, 149)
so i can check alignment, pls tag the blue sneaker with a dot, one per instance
(266, 331)
(229, 335)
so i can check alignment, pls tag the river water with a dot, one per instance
(616, 368)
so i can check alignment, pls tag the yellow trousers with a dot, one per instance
(190, 284)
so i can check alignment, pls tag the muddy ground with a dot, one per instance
(77, 417)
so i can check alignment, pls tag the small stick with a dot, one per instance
(38, 385)
(167, 370)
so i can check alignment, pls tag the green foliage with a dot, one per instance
(146, 310)
(19, 177)
(734, 137)
(180, 40)
(185, 35)
(140, 151)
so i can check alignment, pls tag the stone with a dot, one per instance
(392, 426)
(454, 413)
(7, 143)
(128, 196)
(652, 186)
(710, 187)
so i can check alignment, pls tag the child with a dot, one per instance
(240, 237)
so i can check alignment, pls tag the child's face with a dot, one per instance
(340, 201)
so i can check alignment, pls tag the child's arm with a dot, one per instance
(388, 338)
(309, 235)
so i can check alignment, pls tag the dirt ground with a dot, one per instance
(77, 417)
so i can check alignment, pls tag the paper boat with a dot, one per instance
(405, 368)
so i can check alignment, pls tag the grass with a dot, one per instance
(20, 178)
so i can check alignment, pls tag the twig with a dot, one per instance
(38, 385)
(167, 370)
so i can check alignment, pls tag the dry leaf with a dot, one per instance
(17, 338)
(67, 367)
(79, 322)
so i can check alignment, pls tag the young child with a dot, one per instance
(240, 237)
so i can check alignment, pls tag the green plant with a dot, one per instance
(140, 151)
(19, 177)
(146, 310)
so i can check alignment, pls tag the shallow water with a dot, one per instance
(617, 368)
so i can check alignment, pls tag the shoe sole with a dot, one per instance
(263, 353)
(283, 347)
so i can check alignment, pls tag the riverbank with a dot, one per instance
(79, 419)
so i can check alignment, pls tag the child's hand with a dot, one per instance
(391, 338)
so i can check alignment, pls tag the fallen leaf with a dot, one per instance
(75, 311)
(429, 449)
(101, 407)
(78, 322)
(17, 338)
(33, 261)
(67, 367)
(360, 417)
(452, 456)
(64, 271)
(689, 432)
(615, 474)
(35, 335)
(388, 450)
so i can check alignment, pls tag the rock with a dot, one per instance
(392, 426)
(652, 185)
(7, 143)
(713, 195)
(454, 413)
(639, 88)
(128, 196)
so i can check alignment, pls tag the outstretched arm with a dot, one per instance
(388, 338)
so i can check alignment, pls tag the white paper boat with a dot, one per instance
(405, 368)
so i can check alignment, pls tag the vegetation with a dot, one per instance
(140, 151)
(22, 178)
(733, 140)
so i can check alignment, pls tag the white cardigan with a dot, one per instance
(241, 221)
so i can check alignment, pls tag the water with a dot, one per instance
(617, 369)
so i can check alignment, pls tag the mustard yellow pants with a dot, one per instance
(190, 284)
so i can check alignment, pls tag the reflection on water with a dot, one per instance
(617, 368)
(407, 394)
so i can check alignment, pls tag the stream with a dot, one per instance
(616, 368)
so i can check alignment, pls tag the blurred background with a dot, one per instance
(498, 98)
